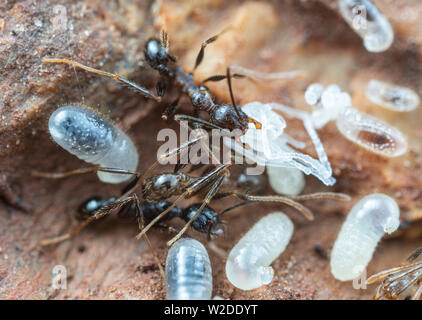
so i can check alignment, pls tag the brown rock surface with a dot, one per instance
(105, 261)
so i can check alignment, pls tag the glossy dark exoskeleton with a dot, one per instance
(205, 222)
(224, 116)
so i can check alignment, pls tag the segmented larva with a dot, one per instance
(248, 264)
(188, 271)
(368, 132)
(369, 23)
(371, 133)
(286, 181)
(391, 96)
(93, 139)
(367, 222)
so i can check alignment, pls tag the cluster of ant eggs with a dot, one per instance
(95, 140)
(188, 271)
(248, 264)
(393, 97)
(369, 23)
(368, 221)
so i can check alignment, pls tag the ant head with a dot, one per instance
(206, 221)
(156, 54)
(228, 117)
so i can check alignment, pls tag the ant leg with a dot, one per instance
(286, 200)
(140, 218)
(204, 44)
(190, 190)
(104, 211)
(415, 254)
(417, 295)
(292, 201)
(132, 85)
(165, 227)
(171, 109)
(60, 175)
(206, 201)
(323, 195)
(255, 75)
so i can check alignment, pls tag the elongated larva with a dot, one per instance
(94, 140)
(371, 133)
(248, 264)
(188, 271)
(286, 181)
(369, 23)
(367, 222)
(392, 97)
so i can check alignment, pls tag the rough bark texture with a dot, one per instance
(105, 261)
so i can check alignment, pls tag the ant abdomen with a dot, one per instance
(95, 140)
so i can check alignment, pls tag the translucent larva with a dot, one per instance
(367, 222)
(331, 104)
(188, 271)
(93, 139)
(286, 181)
(371, 133)
(248, 264)
(391, 96)
(369, 23)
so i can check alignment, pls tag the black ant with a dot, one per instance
(222, 116)
(397, 280)
(165, 185)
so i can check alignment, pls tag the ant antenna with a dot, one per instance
(244, 203)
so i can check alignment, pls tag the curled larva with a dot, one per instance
(95, 140)
(391, 96)
(369, 23)
(367, 222)
(188, 271)
(286, 181)
(248, 264)
(371, 133)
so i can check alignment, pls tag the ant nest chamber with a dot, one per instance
(358, 136)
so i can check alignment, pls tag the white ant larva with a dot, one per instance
(270, 145)
(286, 181)
(188, 271)
(391, 96)
(93, 139)
(368, 221)
(358, 127)
(369, 23)
(248, 264)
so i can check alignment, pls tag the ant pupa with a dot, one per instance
(286, 181)
(248, 264)
(369, 23)
(392, 97)
(188, 271)
(270, 144)
(397, 280)
(331, 104)
(95, 140)
(368, 221)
